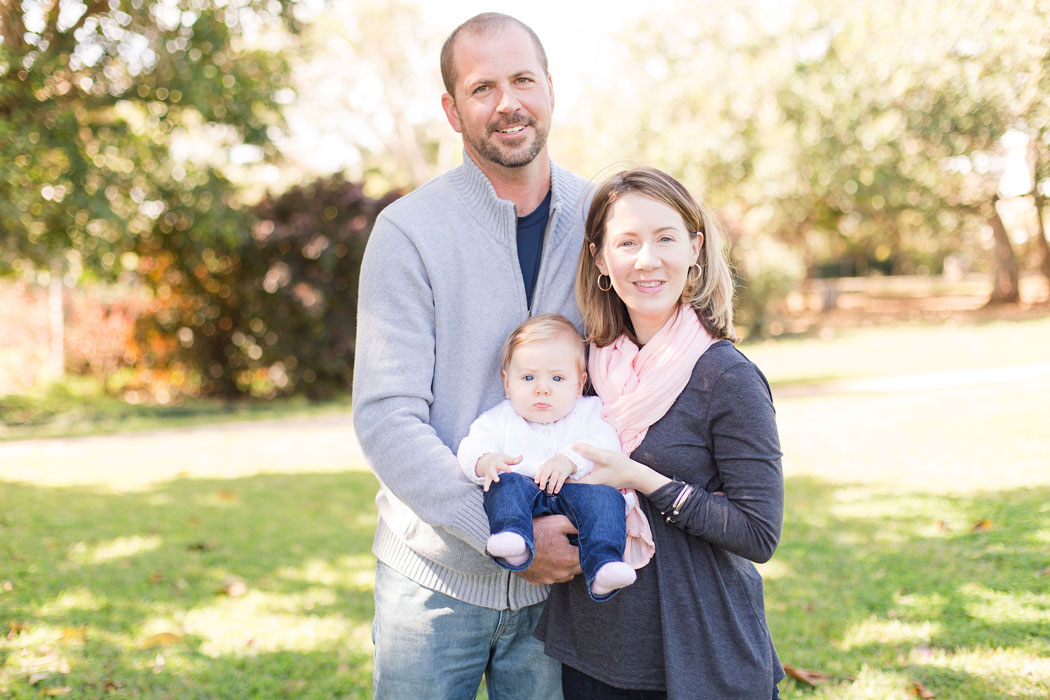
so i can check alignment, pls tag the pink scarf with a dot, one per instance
(637, 387)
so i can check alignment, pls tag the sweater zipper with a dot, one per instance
(551, 219)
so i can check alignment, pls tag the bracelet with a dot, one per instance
(679, 501)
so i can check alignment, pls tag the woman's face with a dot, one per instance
(646, 252)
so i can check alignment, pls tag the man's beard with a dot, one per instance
(493, 153)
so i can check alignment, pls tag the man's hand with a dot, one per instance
(491, 464)
(556, 560)
(552, 474)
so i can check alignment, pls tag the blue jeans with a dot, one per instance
(428, 645)
(597, 511)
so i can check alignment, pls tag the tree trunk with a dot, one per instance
(1041, 243)
(1005, 273)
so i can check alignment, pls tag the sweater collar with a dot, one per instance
(496, 215)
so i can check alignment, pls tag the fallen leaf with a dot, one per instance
(15, 628)
(200, 547)
(161, 639)
(64, 690)
(941, 526)
(806, 676)
(6, 585)
(919, 690)
(156, 577)
(1044, 572)
(233, 587)
(226, 495)
(112, 686)
(981, 526)
(77, 635)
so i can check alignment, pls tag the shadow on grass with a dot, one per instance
(94, 575)
(872, 579)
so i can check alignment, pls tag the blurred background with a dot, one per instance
(186, 186)
(186, 190)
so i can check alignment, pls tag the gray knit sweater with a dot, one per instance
(441, 288)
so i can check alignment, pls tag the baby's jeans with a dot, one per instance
(597, 512)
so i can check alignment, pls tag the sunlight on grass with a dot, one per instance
(999, 607)
(774, 569)
(356, 571)
(74, 600)
(261, 622)
(878, 631)
(1014, 672)
(233, 451)
(118, 548)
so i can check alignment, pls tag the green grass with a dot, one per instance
(80, 406)
(882, 579)
(916, 544)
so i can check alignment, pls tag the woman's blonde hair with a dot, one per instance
(605, 316)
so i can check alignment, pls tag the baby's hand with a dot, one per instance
(552, 474)
(491, 464)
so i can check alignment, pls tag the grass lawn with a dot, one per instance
(233, 561)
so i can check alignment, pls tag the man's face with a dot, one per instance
(503, 98)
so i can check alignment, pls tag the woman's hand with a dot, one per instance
(617, 469)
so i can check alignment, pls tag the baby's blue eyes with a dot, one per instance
(528, 377)
(556, 378)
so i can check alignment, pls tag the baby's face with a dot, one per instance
(543, 380)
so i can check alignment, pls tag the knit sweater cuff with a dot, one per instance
(473, 527)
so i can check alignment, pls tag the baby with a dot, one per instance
(520, 452)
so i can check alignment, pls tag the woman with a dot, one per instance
(696, 419)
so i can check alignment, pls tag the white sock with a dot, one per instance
(612, 576)
(509, 546)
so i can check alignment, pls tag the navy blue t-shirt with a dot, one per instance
(530, 244)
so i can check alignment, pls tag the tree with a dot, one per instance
(869, 133)
(93, 98)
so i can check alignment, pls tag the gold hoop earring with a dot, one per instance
(699, 273)
(604, 289)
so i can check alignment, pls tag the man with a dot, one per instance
(450, 270)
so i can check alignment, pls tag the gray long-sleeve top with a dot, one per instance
(693, 623)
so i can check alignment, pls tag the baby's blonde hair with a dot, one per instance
(543, 327)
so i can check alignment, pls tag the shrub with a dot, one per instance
(268, 311)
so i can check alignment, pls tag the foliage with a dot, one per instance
(115, 116)
(275, 311)
(869, 134)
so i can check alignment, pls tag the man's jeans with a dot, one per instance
(428, 645)
(596, 510)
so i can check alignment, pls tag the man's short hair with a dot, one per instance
(485, 23)
(544, 327)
